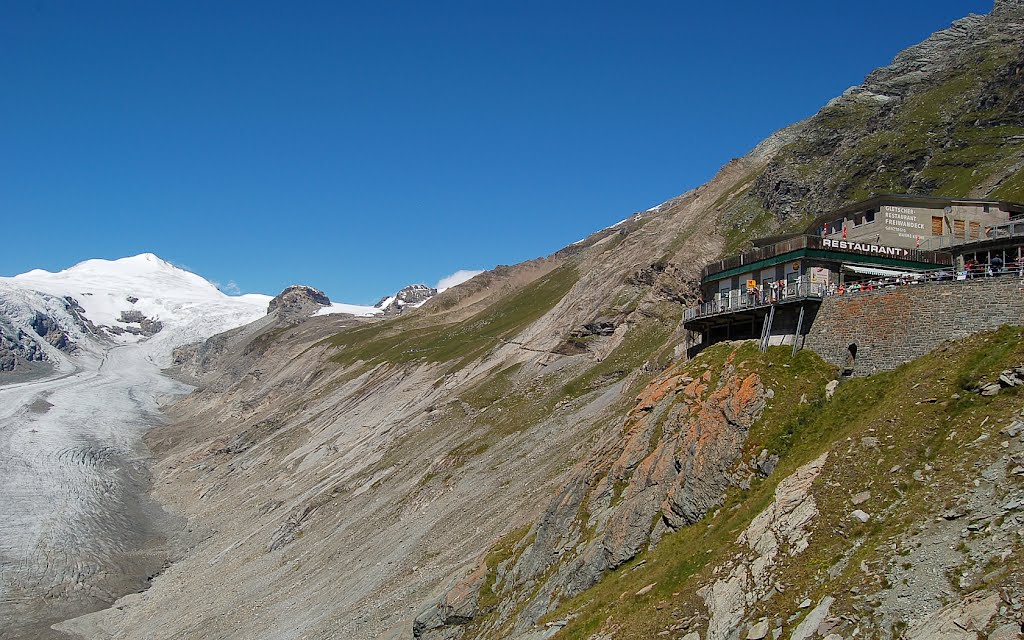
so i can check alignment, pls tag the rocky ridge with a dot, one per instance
(944, 118)
(602, 517)
(298, 301)
(37, 331)
(904, 522)
(407, 298)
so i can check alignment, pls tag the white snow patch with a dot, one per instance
(457, 278)
(635, 216)
(351, 309)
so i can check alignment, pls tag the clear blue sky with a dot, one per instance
(358, 147)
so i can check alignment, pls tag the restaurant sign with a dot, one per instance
(862, 247)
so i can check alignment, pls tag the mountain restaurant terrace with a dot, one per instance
(773, 289)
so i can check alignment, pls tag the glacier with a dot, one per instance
(79, 529)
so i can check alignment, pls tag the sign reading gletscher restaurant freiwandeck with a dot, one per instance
(861, 247)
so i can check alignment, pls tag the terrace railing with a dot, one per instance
(756, 255)
(1013, 229)
(739, 299)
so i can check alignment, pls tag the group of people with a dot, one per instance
(970, 269)
(973, 269)
(838, 289)
(767, 292)
(771, 291)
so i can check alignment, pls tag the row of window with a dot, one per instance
(967, 229)
(859, 219)
(961, 228)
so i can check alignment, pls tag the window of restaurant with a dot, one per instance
(937, 229)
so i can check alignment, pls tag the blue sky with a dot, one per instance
(358, 147)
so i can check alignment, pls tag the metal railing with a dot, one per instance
(739, 299)
(756, 255)
(1013, 229)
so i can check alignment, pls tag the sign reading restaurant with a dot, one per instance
(861, 247)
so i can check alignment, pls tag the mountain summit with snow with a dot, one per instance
(46, 316)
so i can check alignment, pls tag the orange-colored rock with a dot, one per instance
(671, 462)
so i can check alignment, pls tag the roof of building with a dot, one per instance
(906, 199)
(813, 246)
(770, 240)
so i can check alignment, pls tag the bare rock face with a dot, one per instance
(456, 607)
(53, 333)
(961, 620)
(147, 326)
(298, 301)
(17, 349)
(603, 515)
(408, 297)
(78, 313)
(782, 527)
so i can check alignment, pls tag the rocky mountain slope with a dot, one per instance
(528, 453)
(886, 507)
(945, 118)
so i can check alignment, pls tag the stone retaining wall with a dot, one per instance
(892, 326)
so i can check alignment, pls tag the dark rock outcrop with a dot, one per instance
(48, 329)
(18, 349)
(78, 313)
(147, 326)
(457, 606)
(298, 301)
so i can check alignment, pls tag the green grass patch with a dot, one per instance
(1012, 188)
(508, 548)
(400, 341)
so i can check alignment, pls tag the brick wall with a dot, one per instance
(893, 326)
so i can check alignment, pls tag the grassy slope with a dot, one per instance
(401, 341)
(504, 402)
(910, 410)
(509, 404)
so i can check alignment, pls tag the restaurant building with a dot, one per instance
(772, 290)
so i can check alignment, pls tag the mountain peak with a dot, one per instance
(411, 296)
(299, 300)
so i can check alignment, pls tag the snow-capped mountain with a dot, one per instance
(409, 297)
(138, 299)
